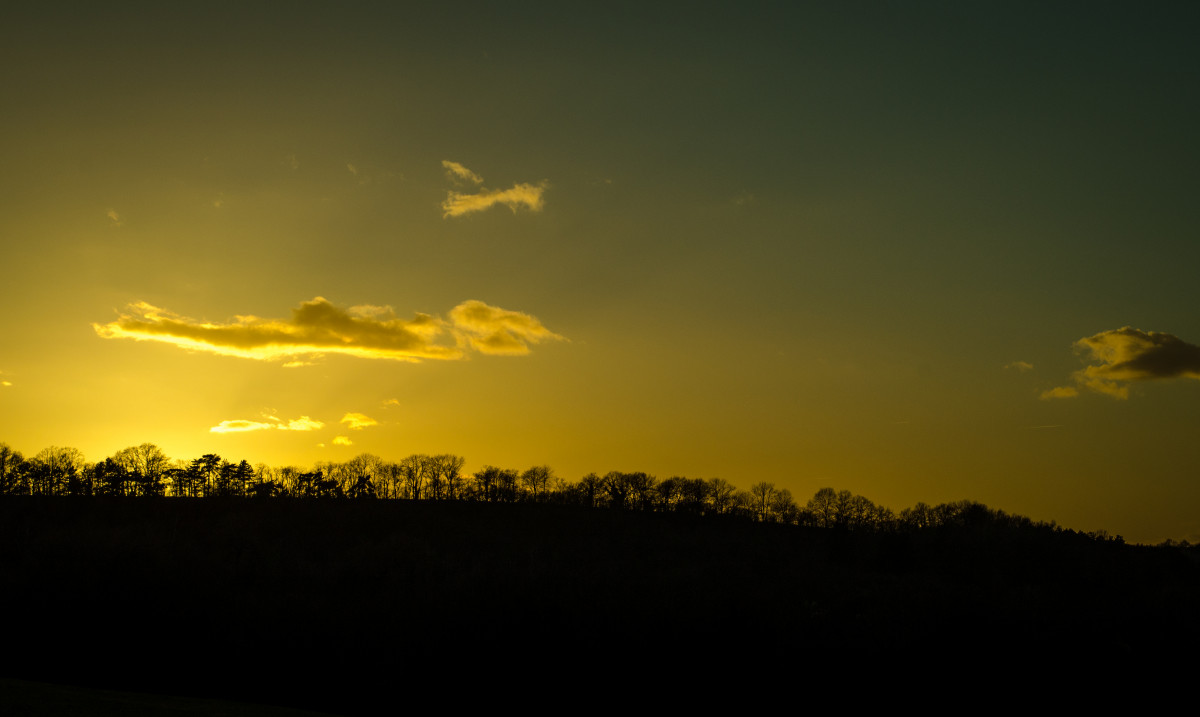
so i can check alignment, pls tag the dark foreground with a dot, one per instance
(352, 606)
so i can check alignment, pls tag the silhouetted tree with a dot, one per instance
(14, 472)
(720, 495)
(536, 481)
(591, 487)
(361, 471)
(762, 492)
(55, 470)
(146, 466)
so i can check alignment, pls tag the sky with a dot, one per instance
(920, 251)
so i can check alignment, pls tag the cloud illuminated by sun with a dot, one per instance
(1126, 355)
(303, 423)
(358, 421)
(318, 327)
(460, 203)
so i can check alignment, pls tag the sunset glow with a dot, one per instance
(920, 253)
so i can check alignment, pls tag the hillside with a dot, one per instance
(332, 604)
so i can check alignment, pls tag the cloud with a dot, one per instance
(240, 426)
(318, 327)
(114, 217)
(492, 330)
(1021, 366)
(528, 195)
(459, 203)
(5, 384)
(391, 402)
(342, 441)
(455, 172)
(1125, 355)
(1060, 392)
(303, 423)
(358, 421)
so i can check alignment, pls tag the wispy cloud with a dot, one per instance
(303, 423)
(517, 196)
(358, 421)
(114, 218)
(1021, 366)
(319, 327)
(456, 172)
(1059, 392)
(492, 330)
(1126, 355)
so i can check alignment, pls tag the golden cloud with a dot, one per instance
(342, 441)
(1126, 355)
(303, 423)
(455, 172)
(528, 195)
(318, 327)
(358, 421)
(492, 330)
(519, 195)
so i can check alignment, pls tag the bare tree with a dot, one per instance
(147, 466)
(536, 481)
(55, 471)
(14, 472)
(762, 492)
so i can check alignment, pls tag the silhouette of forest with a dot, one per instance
(342, 586)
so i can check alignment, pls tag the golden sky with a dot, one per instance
(922, 252)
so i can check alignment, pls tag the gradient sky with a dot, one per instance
(921, 251)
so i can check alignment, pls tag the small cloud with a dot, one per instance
(318, 327)
(391, 402)
(358, 421)
(114, 218)
(5, 384)
(303, 423)
(240, 426)
(492, 330)
(1021, 366)
(456, 172)
(352, 168)
(519, 195)
(1060, 392)
(459, 203)
(1127, 355)
(342, 441)
(299, 364)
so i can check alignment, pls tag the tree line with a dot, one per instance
(145, 471)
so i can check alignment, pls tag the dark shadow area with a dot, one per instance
(344, 606)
